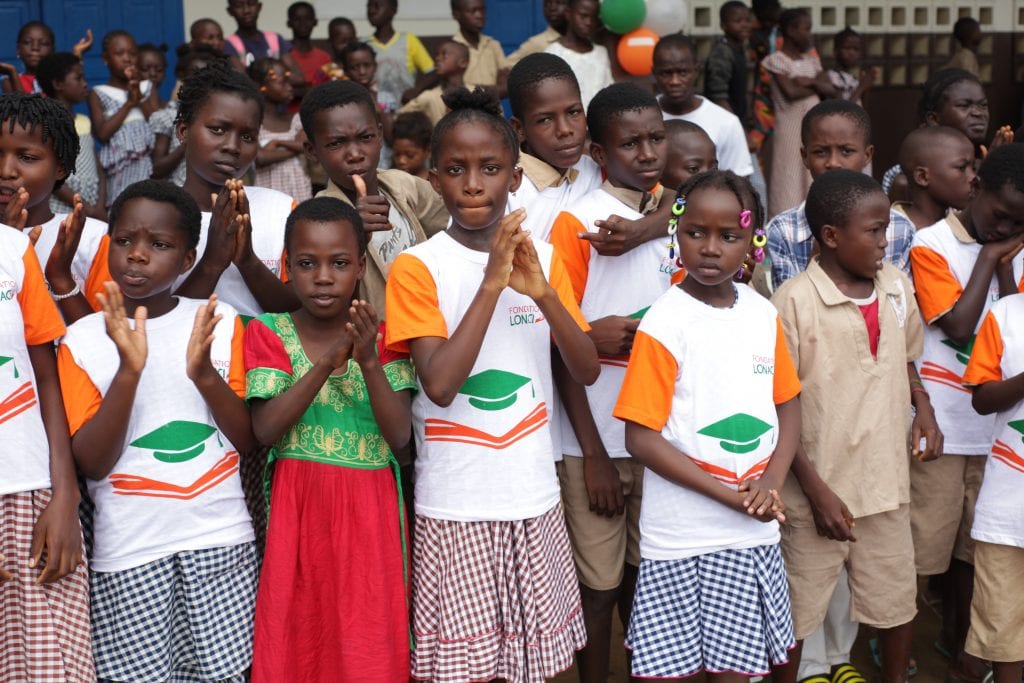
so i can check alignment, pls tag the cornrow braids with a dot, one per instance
(479, 105)
(217, 77)
(32, 111)
(746, 197)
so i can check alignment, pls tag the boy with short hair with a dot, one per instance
(411, 143)
(206, 32)
(249, 43)
(690, 151)
(835, 134)
(554, 14)
(676, 69)
(487, 63)
(601, 484)
(852, 326)
(967, 34)
(938, 162)
(401, 56)
(302, 20)
(589, 61)
(962, 265)
(340, 32)
(450, 66)
(726, 72)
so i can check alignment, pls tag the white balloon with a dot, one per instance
(666, 16)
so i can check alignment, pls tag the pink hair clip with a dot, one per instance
(745, 218)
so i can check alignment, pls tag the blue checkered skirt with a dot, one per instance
(183, 618)
(726, 611)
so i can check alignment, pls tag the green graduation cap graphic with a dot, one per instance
(739, 433)
(639, 314)
(493, 389)
(963, 351)
(4, 360)
(1017, 425)
(176, 441)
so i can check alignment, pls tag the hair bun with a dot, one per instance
(480, 99)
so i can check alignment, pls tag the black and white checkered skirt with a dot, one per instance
(726, 611)
(183, 618)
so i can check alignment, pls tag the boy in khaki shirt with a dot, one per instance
(853, 327)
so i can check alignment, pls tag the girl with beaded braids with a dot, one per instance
(711, 594)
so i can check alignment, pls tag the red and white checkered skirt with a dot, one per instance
(45, 627)
(494, 600)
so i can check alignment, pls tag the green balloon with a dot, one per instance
(622, 16)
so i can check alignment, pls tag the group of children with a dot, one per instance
(223, 402)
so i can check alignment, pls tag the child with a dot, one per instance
(207, 32)
(848, 49)
(241, 244)
(340, 33)
(279, 163)
(798, 83)
(343, 130)
(35, 41)
(554, 15)
(689, 151)
(449, 66)
(590, 62)
(360, 64)
(400, 55)
(153, 68)
(967, 37)
(940, 173)
(855, 331)
(71, 247)
(311, 59)
(834, 134)
(711, 594)
(157, 421)
(600, 484)
(726, 73)
(324, 368)
(490, 543)
(487, 64)
(44, 603)
(675, 74)
(249, 43)
(961, 265)
(119, 111)
(411, 146)
(61, 77)
(994, 375)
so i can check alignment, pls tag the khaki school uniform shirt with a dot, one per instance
(855, 408)
(485, 60)
(534, 44)
(424, 215)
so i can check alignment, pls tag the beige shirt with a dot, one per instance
(429, 102)
(641, 202)
(855, 408)
(485, 60)
(964, 59)
(424, 214)
(534, 44)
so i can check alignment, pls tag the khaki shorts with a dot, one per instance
(883, 585)
(943, 493)
(601, 545)
(997, 610)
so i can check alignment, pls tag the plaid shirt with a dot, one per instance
(790, 243)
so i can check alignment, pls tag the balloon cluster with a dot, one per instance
(641, 23)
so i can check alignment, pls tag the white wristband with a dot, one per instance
(61, 297)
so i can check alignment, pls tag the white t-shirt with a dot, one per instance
(543, 206)
(176, 486)
(593, 69)
(488, 455)
(269, 210)
(942, 258)
(999, 355)
(725, 130)
(28, 316)
(89, 265)
(708, 379)
(598, 283)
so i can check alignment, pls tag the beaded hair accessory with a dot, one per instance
(759, 241)
(678, 209)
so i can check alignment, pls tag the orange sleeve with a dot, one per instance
(560, 282)
(99, 272)
(411, 302)
(678, 276)
(649, 384)
(936, 288)
(236, 371)
(284, 266)
(81, 397)
(787, 382)
(574, 252)
(38, 311)
(986, 356)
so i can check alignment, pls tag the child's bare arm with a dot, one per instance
(762, 493)
(993, 397)
(228, 409)
(98, 444)
(831, 516)
(273, 152)
(924, 425)
(796, 87)
(57, 531)
(165, 160)
(617, 235)
(103, 128)
(391, 409)
(221, 242)
(270, 292)
(58, 265)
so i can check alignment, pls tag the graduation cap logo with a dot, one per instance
(963, 351)
(1018, 426)
(493, 389)
(4, 360)
(639, 314)
(739, 433)
(176, 441)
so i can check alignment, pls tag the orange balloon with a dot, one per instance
(636, 51)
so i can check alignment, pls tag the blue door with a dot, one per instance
(513, 21)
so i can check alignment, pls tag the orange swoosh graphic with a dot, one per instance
(133, 485)
(933, 372)
(20, 400)
(1002, 452)
(446, 430)
(728, 476)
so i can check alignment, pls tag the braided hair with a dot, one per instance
(936, 87)
(217, 77)
(54, 120)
